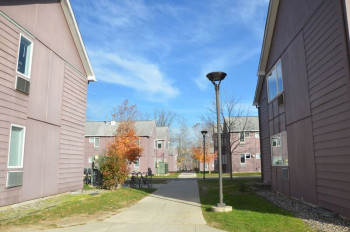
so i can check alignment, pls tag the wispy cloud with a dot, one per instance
(134, 73)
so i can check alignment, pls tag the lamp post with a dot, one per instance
(204, 133)
(216, 78)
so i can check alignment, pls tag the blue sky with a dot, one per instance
(156, 53)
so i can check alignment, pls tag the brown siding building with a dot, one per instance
(303, 95)
(44, 73)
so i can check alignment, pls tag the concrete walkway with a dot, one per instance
(174, 207)
(188, 175)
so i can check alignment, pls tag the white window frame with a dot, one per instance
(257, 135)
(256, 156)
(161, 144)
(246, 136)
(24, 139)
(281, 147)
(241, 137)
(91, 139)
(31, 56)
(248, 154)
(279, 92)
(137, 166)
(240, 159)
(98, 142)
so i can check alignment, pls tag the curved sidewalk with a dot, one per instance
(174, 207)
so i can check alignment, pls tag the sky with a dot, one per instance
(156, 53)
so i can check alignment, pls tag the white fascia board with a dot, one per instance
(73, 26)
(266, 46)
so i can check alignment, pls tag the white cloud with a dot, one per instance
(135, 73)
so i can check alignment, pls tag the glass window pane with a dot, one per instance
(279, 77)
(16, 147)
(24, 56)
(242, 158)
(272, 84)
(279, 151)
(97, 142)
(257, 156)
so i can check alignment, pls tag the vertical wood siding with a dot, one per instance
(327, 65)
(71, 160)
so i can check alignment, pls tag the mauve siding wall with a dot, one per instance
(250, 146)
(54, 110)
(71, 160)
(327, 62)
(309, 38)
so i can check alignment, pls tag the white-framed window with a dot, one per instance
(25, 54)
(246, 135)
(159, 144)
(241, 138)
(242, 158)
(16, 146)
(137, 163)
(275, 81)
(91, 140)
(96, 142)
(257, 156)
(279, 151)
(257, 135)
(248, 156)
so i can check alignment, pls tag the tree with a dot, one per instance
(164, 118)
(234, 119)
(199, 155)
(181, 138)
(125, 112)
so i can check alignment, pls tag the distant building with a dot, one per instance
(303, 97)
(99, 134)
(44, 74)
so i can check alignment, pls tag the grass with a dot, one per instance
(88, 187)
(171, 175)
(250, 212)
(81, 204)
(238, 174)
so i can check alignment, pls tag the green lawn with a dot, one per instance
(80, 204)
(240, 174)
(171, 175)
(250, 212)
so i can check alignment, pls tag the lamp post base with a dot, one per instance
(223, 208)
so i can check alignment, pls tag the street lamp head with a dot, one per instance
(204, 132)
(216, 76)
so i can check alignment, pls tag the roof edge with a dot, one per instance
(73, 27)
(265, 50)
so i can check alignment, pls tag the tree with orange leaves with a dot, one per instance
(199, 155)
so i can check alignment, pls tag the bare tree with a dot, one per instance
(182, 139)
(125, 112)
(164, 118)
(235, 122)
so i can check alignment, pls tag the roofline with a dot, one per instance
(73, 27)
(265, 50)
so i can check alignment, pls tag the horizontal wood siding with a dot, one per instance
(71, 161)
(328, 78)
(13, 105)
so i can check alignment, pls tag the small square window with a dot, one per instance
(91, 140)
(16, 147)
(159, 144)
(247, 156)
(25, 56)
(257, 135)
(247, 135)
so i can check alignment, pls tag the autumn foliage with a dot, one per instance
(199, 155)
(123, 150)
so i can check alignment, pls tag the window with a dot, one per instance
(242, 158)
(137, 163)
(241, 138)
(91, 140)
(257, 135)
(159, 144)
(248, 156)
(275, 81)
(24, 62)
(97, 142)
(279, 151)
(247, 135)
(16, 146)
(257, 156)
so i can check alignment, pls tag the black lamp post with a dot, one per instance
(216, 78)
(204, 133)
